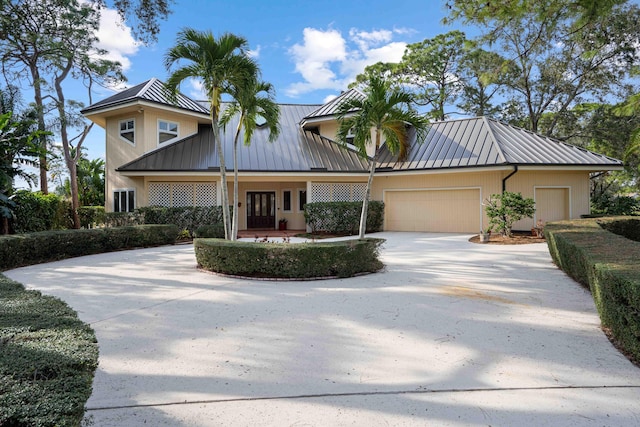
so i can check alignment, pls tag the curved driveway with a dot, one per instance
(452, 333)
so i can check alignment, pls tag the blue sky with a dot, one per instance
(309, 51)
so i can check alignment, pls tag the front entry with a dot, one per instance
(261, 209)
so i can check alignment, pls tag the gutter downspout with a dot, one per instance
(504, 180)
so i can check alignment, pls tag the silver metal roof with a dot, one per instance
(295, 150)
(482, 142)
(331, 107)
(152, 91)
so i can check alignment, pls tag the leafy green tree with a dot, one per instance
(91, 184)
(566, 52)
(51, 42)
(506, 208)
(253, 101)
(220, 64)
(389, 112)
(144, 16)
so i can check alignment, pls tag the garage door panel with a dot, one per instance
(455, 211)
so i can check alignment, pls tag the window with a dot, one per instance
(302, 199)
(127, 130)
(124, 200)
(167, 131)
(350, 136)
(286, 200)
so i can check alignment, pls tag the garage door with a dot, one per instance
(446, 211)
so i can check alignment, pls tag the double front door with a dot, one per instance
(261, 209)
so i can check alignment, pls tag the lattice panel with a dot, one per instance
(359, 190)
(182, 194)
(205, 194)
(341, 193)
(320, 193)
(160, 194)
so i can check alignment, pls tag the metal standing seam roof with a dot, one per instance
(295, 150)
(483, 142)
(331, 107)
(152, 90)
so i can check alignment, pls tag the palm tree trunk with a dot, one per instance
(234, 219)
(223, 178)
(365, 201)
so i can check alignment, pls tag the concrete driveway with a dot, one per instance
(451, 334)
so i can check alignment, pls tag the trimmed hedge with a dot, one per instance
(281, 260)
(47, 359)
(34, 248)
(186, 218)
(35, 211)
(608, 264)
(343, 217)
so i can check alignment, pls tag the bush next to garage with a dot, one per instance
(47, 359)
(608, 264)
(281, 260)
(34, 248)
(343, 217)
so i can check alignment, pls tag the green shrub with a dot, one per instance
(210, 231)
(91, 216)
(609, 204)
(47, 359)
(608, 264)
(627, 227)
(33, 248)
(343, 217)
(123, 219)
(188, 217)
(301, 260)
(506, 208)
(35, 211)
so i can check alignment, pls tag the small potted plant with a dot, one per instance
(282, 224)
(485, 235)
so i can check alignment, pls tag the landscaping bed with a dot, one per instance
(518, 238)
(292, 261)
(606, 263)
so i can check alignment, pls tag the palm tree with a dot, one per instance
(388, 110)
(219, 64)
(253, 102)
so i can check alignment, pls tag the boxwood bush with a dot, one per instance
(607, 263)
(34, 248)
(281, 260)
(343, 217)
(47, 359)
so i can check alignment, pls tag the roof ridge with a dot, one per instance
(485, 120)
(146, 87)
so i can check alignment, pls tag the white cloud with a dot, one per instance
(115, 37)
(326, 60)
(254, 53)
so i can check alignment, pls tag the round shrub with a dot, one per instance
(345, 258)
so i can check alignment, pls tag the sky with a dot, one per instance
(309, 51)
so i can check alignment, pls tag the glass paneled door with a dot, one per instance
(261, 209)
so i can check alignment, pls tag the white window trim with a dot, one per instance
(134, 131)
(298, 198)
(120, 190)
(291, 200)
(169, 141)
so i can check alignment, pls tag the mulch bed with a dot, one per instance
(519, 238)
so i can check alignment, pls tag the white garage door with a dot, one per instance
(445, 211)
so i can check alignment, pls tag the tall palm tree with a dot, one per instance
(253, 101)
(219, 64)
(388, 111)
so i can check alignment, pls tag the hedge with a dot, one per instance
(47, 359)
(608, 264)
(34, 248)
(343, 217)
(35, 211)
(281, 260)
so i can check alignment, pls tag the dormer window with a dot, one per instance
(350, 136)
(127, 130)
(167, 131)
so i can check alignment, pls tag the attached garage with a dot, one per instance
(453, 210)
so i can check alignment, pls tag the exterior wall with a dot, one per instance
(119, 152)
(530, 182)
